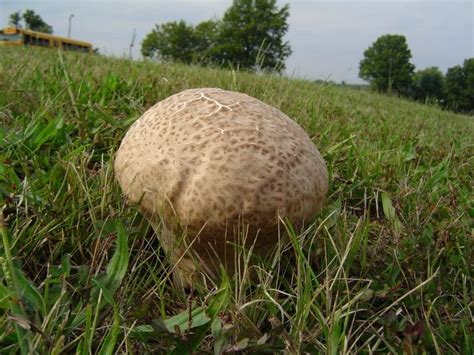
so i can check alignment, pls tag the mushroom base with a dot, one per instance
(210, 252)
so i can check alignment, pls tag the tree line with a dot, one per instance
(386, 66)
(250, 36)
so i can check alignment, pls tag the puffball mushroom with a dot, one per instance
(207, 166)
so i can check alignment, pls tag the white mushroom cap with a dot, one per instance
(209, 159)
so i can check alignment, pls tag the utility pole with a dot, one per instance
(69, 27)
(134, 35)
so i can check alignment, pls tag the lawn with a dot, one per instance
(387, 266)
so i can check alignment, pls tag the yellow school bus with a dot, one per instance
(17, 37)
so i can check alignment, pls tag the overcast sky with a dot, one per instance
(328, 38)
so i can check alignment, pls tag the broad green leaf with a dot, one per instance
(4, 297)
(110, 340)
(217, 304)
(141, 331)
(410, 153)
(118, 264)
(30, 293)
(440, 174)
(66, 265)
(389, 211)
(198, 318)
(108, 296)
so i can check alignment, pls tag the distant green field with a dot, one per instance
(386, 267)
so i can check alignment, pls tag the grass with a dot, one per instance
(387, 266)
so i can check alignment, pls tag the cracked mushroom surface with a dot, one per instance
(212, 165)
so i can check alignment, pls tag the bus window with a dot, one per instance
(10, 37)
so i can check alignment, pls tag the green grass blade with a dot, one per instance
(390, 212)
(110, 341)
(31, 294)
(15, 304)
(118, 264)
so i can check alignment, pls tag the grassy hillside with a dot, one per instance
(387, 265)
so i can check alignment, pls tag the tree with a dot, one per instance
(469, 75)
(34, 22)
(171, 41)
(206, 35)
(386, 65)
(178, 42)
(251, 35)
(460, 87)
(15, 19)
(429, 84)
